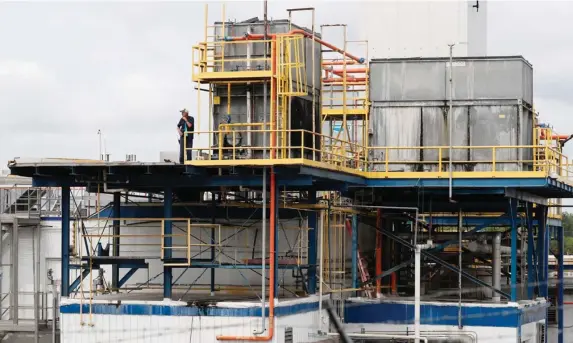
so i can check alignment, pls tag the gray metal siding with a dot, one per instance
(474, 79)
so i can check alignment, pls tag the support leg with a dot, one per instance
(560, 299)
(167, 241)
(65, 291)
(513, 219)
(116, 232)
(355, 251)
(531, 277)
(312, 239)
(378, 251)
(213, 218)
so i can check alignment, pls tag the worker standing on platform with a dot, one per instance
(185, 128)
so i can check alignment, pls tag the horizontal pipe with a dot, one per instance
(348, 71)
(252, 36)
(338, 63)
(353, 80)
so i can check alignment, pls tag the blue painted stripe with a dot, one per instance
(166, 310)
(431, 314)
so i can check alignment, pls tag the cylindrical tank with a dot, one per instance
(247, 100)
(492, 99)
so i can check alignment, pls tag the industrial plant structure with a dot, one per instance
(417, 197)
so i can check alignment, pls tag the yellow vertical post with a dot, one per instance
(188, 242)
(223, 44)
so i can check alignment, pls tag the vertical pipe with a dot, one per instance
(354, 251)
(213, 217)
(531, 277)
(513, 213)
(378, 251)
(541, 258)
(54, 310)
(167, 241)
(496, 268)
(312, 238)
(35, 271)
(560, 317)
(450, 122)
(394, 283)
(14, 272)
(417, 280)
(313, 71)
(264, 246)
(320, 267)
(275, 230)
(460, 218)
(115, 241)
(65, 241)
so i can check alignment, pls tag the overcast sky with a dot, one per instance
(69, 69)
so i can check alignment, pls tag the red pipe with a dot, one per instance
(558, 137)
(258, 36)
(394, 283)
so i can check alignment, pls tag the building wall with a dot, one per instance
(424, 28)
(120, 324)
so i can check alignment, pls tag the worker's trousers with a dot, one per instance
(183, 149)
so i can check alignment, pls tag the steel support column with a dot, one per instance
(116, 232)
(560, 302)
(542, 249)
(531, 275)
(213, 220)
(378, 250)
(276, 228)
(513, 219)
(167, 241)
(355, 251)
(65, 207)
(312, 244)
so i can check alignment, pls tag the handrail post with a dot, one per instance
(386, 157)
(493, 159)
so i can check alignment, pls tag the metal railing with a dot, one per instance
(26, 306)
(226, 144)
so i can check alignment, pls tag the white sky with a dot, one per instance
(68, 69)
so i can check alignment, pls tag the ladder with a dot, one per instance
(362, 267)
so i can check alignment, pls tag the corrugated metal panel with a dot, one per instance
(474, 79)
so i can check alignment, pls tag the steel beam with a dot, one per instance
(126, 277)
(560, 294)
(167, 242)
(79, 279)
(354, 251)
(65, 207)
(115, 241)
(14, 272)
(542, 250)
(312, 244)
(531, 274)
(213, 221)
(513, 218)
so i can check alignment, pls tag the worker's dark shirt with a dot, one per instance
(182, 125)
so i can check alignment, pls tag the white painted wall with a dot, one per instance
(424, 28)
(82, 328)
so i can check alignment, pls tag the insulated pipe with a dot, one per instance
(378, 335)
(252, 36)
(496, 259)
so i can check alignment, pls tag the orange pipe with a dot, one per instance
(338, 63)
(348, 71)
(352, 80)
(394, 283)
(272, 228)
(256, 36)
(378, 250)
(558, 137)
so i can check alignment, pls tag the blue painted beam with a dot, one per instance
(531, 275)
(354, 251)
(65, 206)
(312, 244)
(115, 240)
(560, 293)
(126, 277)
(513, 217)
(203, 265)
(78, 280)
(167, 241)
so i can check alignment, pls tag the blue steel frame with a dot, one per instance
(167, 178)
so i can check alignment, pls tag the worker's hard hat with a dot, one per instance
(184, 111)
